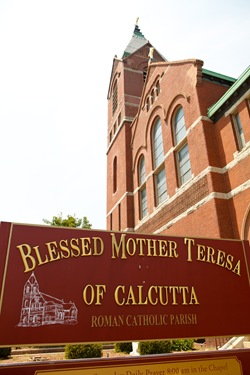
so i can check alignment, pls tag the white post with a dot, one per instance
(135, 348)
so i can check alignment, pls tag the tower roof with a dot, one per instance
(137, 41)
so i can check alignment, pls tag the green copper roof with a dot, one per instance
(206, 72)
(138, 32)
(232, 90)
(137, 41)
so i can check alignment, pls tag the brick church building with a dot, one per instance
(178, 147)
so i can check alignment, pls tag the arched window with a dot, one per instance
(239, 131)
(142, 192)
(179, 125)
(161, 186)
(181, 150)
(157, 144)
(142, 171)
(114, 97)
(152, 97)
(158, 163)
(115, 175)
(157, 89)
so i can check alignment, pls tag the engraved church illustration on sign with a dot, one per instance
(40, 309)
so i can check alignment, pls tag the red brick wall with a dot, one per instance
(215, 201)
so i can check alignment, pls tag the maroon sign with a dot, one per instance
(65, 285)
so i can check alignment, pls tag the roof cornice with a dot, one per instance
(240, 86)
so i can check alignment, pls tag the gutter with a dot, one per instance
(243, 77)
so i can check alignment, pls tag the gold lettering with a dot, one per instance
(237, 268)
(161, 288)
(220, 258)
(150, 295)
(142, 247)
(141, 242)
(200, 251)
(128, 320)
(183, 319)
(189, 242)
(88, 294)
(100, 289)
(151, 246)
(28, 260)
(162, 248)
(172, 249)
(193, 298)
(155, 294)
(174, 289)
(140, 301)
(75, 250)
(51, 246)
(210, 255)
(193, 319)
(229, 262)
(130, 297)
(116, 295)
(107, 321)
(116, 247)
(63, 244)
(86, 251)
(40, 261)
(98, 250)
(184, 290)
(94, 321)
(131, 251)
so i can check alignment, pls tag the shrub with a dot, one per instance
(123, 347)
(154, 347)
(167, 346)
(83, 351)
(5, 353)
(182, 345)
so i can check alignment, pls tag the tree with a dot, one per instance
(70, 221)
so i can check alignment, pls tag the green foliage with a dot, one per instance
(182, 345)
(123, 347)
(166, 346)
(154, 347)
(5, 353)
(83, 351)
(70, 221)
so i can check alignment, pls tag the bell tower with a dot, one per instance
(124, 94)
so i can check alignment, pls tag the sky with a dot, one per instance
(55, 64)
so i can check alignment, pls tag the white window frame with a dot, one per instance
(160, 186)
(143, 205)
(241, 142)
(157, 143)
(158, 162)
(180, 143)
